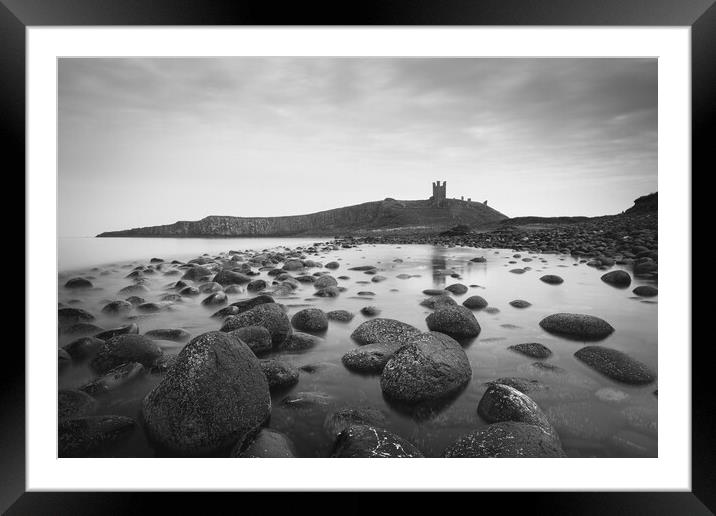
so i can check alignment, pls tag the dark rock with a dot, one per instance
(332, 265)
(456, 321)
(479, 259)
(247, 304)
(71, 404)
(125, 348)
(299, 341)
(363, 441)
(370, 358)
(114, 379)
(475, 303)
(210, 286)
(267, 444)
(616, 365)
(435, 302)
(618, 278)
(256, 285)
(83, 348)
(328, 292)
(552, 279)
(133, 289)
(370, 311)
(532, 349)
(270, 315)
(228, 277)
(81, 436)
(216, 395)
(456, 288)
(149, 308)
(217, 298)
(189, 292)
(310, 320)
(504, 403)
(384, 331)
(77, 283)
(226, 312)
(135, 300)
(579, 326)
(67, 316)
(507, 439)
(172, 334)
(257, 338)
(520, 303)
(434, 292)
(279, 374)
(646, 291)
(198, 273)
(378, 278)
(325, 281)
(340, 315)
(429, 367)
(339, 420)
(81, 329)
(122, 330)
(63, 359)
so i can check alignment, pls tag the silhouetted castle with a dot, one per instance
(439, 195)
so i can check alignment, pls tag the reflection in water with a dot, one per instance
(439, 266)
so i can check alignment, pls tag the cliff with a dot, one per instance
(645, 203)
(389, 214)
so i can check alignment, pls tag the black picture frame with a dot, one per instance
(17, 15)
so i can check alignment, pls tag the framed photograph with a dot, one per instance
(428, 233)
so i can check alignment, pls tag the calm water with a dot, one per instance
(595, 416)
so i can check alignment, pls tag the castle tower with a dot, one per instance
(439, 193)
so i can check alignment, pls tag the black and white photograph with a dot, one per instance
(357, 257)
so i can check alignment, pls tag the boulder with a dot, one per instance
(339, 420)
(83, 348)
(552, 279)
(457, 289)
(279, 374)
(215, 395)
(384, 331)
(456, 321)
(127, 329)
(616, 365)
(577, 326)
(435, 302)
(370, 358)
(507, 439)
(325, 281)
(646, 291)
(172, 334)
(475, 303)
(78, 283)
(504, 403)
(310, 320)
(257, 338)
(270, 315)
(363, 441)
(228, 277)
(68, 316)
(618, 278)
(267, 444)
(532, 349)
(340, 316)
(123, 349)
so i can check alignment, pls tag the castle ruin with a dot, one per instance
(438, 197)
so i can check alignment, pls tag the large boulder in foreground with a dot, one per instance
(125, 348)
(270, 315)
(382, 330)
(616, 365)
(577, 326)
(214, 396)
(363, 441)
(456, 321)
(507, 439)
(430, 367)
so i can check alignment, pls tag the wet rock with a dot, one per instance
(332, 265)
(257, 338)
(520, 303)
(228, 277)
(81, 329)
(171, 298)
(325, 281)
(307, 400)
(382, 330)
(518, 271)
(199, 273)
(121, 330)
(172, 334)
(135, 300)
(456, 321)
(340, 316)
(82, 436)
(299, 341)
(479, 259)
(370, 311)
(435, 302)
(363, 441)
(114, 379)
(362, 268)
(475, 303)
(619, 278)
(340, 420)
(507, 439)
(210, 286)
(504, 403)
(78, 283)
(646, 291)
(524, 385)
(328, 292)
(189, 292)
(125, 348)
(456, 288)
(68, 316)
(434, 292)
(217, 298)
(270, 315)
(532, 349)
(267, 444)
(310, 320)
(578, 326)
(256, 285)
(616, 365)
(133, 289)
(370, 358)
(552, 279)
(233, 289)
(83, 348)
(279, 374)
(378, 278)
(149, 308)
(429, 367)
(71, 404)
(247, 304)
(216, 395)
(293, 265)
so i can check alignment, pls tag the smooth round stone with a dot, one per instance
(339, 420)
(532, 349)
(279, 374)
(228, 277)
(518, 271)
(215, 395)
(256, 285)
(363, 441)
(620, 278)
(83, 348)
(479, 259)
(507, 439)
(189, 292)
(504, 403)
(340, 316)
(328, 292)
(298, 341)
(435, 302)
(71, 403)
(434, 292)
(172, 334)
(370, 358)
(475, 303)
(552, 279)
(325, 281)
(310, 320)
(430, 366)
(78, 283)
(122, 330)
(270, 315)
(578, 326)
(126, 348)
(132, 290)
(267, 444)
(67, 316)
(226, 312)
(378, 278)
(520, 303)
(114, 379)
(616, 365)
(370, 311)
(210, 286)
(257, 338)
(81, 436)
(456, 321)
(332, 265)
(247, 304)
(646, 291)
(456, 288)
(215, 299)
(149, 308)
(385, 331)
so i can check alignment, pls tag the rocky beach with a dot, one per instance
(527, 338)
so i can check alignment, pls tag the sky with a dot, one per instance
(150, 141)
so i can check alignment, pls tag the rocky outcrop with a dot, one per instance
(387, 214)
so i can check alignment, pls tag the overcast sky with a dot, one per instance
(151, 141)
